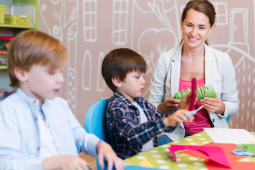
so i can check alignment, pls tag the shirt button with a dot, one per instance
(34, 101)
(36, 119)
(38, 148)
(213, 120)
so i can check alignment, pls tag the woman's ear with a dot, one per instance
(20, 74)
(116, 81)
(211, 29)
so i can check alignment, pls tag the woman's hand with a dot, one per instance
(169, 105)
(185, 101)
(213, 105)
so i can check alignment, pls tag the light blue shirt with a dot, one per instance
(19, 132)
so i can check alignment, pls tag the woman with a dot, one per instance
(195, 59)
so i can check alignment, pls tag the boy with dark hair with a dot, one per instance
(37, 129)
(132, 122)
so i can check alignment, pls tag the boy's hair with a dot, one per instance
(119, 62)
(34, 48)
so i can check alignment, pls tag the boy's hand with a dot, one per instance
(65, 162)
(177, 117)
(105, 152)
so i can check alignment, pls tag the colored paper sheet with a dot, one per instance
(248, 147)
(237, 136)
(232, 158)
(212, 153)
(194, 94)
(146, 163)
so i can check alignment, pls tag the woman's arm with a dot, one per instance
(157, 89)
(228, 103)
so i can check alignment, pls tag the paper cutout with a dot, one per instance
(248, 147)
(213, 153)
(146, 163)
(202, 92)
(194, 94)
(232, 159)
(195, 154)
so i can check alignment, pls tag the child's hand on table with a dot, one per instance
(105, 152)
(65, 162)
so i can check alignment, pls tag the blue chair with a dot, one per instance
(227, 119)
(95, 121)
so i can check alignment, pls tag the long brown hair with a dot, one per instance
(203, 6)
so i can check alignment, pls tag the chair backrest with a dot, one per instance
(227, 119)
(95, 119)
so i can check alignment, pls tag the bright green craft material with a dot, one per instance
(209, 91)
(247, 147)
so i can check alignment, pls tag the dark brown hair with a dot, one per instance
(203, 6)
(34, 48)
(119, 62)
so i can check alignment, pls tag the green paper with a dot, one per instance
(202, 91)
(247, 147)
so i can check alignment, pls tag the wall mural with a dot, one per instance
(90, 29)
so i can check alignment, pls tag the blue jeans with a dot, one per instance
(164, 139)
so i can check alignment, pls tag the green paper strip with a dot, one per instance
(202, 91)
(248, 147)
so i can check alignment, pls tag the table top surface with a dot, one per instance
(160, 157)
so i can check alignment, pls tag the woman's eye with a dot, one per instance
(202, 28)
(189, 25)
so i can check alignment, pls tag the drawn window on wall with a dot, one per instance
(221, 13)
(239, 25)
(90, 20)
(120, 19)
(86, 71)
(100, 80)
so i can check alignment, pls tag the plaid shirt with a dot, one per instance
(125, 132)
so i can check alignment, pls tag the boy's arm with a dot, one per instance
(130, 131)
(11, 156)
(85, 142)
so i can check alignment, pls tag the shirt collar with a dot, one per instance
(28, 99)
(125, 100)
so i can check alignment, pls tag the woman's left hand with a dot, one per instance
(213, 105)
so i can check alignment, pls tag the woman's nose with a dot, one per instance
(194, 31)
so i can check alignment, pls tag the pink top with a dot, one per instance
(201, 118)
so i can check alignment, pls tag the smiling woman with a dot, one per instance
(193, 58)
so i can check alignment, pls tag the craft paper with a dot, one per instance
(237, 136)
(193, 97)
(232, 159)
(146, 163)
(248, 147)
(213, 153)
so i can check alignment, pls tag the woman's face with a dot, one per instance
(195, 28)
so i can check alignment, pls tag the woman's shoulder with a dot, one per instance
(167, 55)
(218, 55)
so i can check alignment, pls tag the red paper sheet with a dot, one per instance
(232, 159)
(194, 94)
(212, 153)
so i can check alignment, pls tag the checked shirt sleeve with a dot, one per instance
(160, 115)
(128, 128)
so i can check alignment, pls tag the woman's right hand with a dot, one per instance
(172, 103)
(169, 105)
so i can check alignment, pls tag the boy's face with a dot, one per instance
(42, 84)
(132, 86)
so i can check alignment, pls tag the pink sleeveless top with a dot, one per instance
(201, 118)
